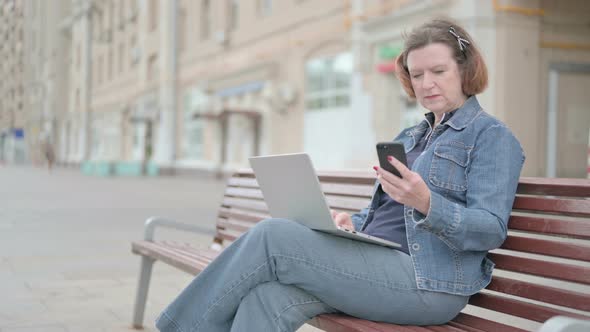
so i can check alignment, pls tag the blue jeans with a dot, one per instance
(281, 274)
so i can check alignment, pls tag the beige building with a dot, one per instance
(197, 85)
(47, 62)
(201, 85)
(12, 89)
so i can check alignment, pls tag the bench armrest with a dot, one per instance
(565, 324)
(153, 222)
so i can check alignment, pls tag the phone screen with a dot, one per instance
(394, 149)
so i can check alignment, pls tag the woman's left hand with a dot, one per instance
(409, 190)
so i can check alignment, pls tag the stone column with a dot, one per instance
(165, 151)
(84, 138)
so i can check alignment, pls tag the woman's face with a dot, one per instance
(436, 79)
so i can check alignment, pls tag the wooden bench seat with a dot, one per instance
(542, 269)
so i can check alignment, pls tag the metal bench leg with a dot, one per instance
(145, 275)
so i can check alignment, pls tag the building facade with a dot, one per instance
(47, 61)
(12, 86)
(202, 85)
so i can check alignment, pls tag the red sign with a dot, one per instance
(386, 67)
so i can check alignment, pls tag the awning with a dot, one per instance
(240, 89)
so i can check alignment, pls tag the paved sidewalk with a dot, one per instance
(65, 259)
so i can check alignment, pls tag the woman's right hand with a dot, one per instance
(342, 219)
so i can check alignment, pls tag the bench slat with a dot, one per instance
(467, 328)
(444, 328)
(350, 176)
(205, 255)
(570, 228)
(237, 225)
(243, 192)
(522, 309)
(245, 204)
(343, 202)
(356, 190)
(561, 271)
(334, 201)
(228, 235)
(178, 250)
(566, 207)
(242, 214)
(481, 324)
(542, 293)
(547, 247)
(554, 187)
(242, 182)
(361, 190)
(342, 323)
(148, 249)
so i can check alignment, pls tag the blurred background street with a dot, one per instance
(65, 246)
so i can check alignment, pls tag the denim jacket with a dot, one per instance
(472, 170)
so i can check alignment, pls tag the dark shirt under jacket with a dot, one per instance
(388, 222)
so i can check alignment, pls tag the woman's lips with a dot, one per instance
(432, 97)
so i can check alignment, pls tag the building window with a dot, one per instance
(234, 14)
(196, 101)
(264, 7)
(328, 82)
(205, 19)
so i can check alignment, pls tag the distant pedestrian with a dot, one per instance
(48, 153)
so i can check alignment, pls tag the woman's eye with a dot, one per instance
(417, 76)
(439, 71)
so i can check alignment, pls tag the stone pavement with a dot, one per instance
(65, 259)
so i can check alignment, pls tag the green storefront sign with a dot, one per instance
(388, 52)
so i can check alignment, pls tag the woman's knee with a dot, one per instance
(277, 227)
(270, 290)
(282, 298)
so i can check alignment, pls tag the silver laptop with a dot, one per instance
(292, 191)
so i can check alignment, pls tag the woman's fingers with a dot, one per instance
(343, 220)
(410, 189)
(333, 213)
(401, 168)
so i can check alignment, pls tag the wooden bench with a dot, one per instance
(542, 269)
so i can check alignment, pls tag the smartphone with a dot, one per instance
(394, 149)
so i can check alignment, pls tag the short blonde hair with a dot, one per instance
(474, 73)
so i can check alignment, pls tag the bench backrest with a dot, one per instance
(542, 269)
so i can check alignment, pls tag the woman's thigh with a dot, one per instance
(357, 278)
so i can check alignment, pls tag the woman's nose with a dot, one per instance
(428, 81)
